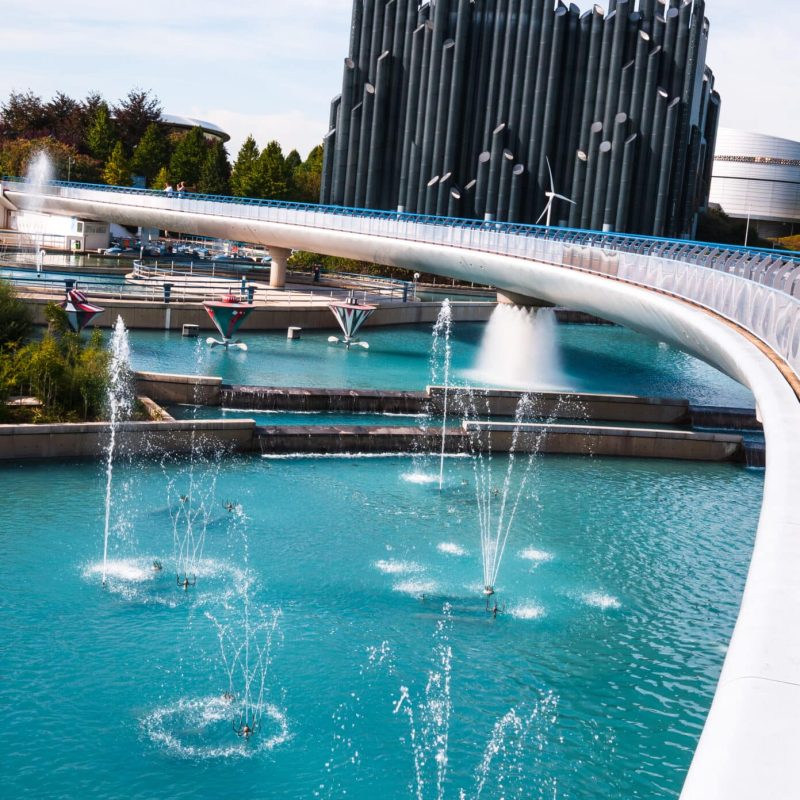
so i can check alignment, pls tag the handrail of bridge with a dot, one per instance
(612, 240)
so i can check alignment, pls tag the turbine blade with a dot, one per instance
(561, 197)
(552, 184)
(546, 209)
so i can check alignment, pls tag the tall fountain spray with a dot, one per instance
(119, 399)
(442, 353)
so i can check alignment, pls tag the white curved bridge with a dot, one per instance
(739, 310)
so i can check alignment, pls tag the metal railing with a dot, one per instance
(757, 289)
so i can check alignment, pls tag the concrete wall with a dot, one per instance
(592, 440)
(179, 389)
(89, 440)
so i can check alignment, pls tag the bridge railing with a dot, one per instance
(757, 289)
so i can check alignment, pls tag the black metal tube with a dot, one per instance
(690, 192)
(334, 115)
(601, 185)
(509, 60)
(518, 74)
(389, 17)
(639, 79)
(364, 143)
(417, 179)
(615, 170)
(468, 199)
(410, 123)
(615, 65)
(577, 98)
(504, 193)
(645, 129)
(626, 183)
(352, 161)
(605, 60)
(553, 96)
(342, 151)
(632, 36)
(626, 87)
(659, 30)
(377, 145)
(431, 196)
(529, 84)
(377, 39)
(654, 145)
(517, 192)
(490, 118)
(540, 97)
(455, 130)
(592, 71)
(454, 202)
(578, 187)
(326, 181)
(670, 40)
(365, 43)
(355, 28)
(443, 194)
(495, 165)
(595, 137)
(443, 107)
(667, 154)
(482, 184)
(569, 83)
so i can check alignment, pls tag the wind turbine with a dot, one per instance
(551, 195)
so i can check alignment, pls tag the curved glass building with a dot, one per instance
(758, 177)
(491, 108)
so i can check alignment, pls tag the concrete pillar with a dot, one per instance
(277, 272)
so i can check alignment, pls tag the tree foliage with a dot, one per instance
(117, 171)
(100, 136)
(274, 173)
(134, 114)
(151, 153)
(16, 319)
(215, 174)
(188, 157)
(245, 175)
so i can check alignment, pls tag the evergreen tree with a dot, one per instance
(151, 153)
(64, 115)
(216, 172)
(188, 157)
(161, 179)
(100, 136)
(274, 172)
(134, 114)
(24, 116)
(293, 161)
(117, 171)
(245, 181)
(307, 178)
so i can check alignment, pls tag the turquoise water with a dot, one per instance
(595, 358)
(621, 582)
(296, 418)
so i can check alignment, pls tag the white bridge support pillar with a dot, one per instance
(277, 271)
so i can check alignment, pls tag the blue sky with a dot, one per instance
(271, 68)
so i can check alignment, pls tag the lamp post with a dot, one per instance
(69, 168)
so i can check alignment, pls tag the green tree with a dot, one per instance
(245, 178)
(161, 180)
(100, 136)
(117, 171)
(307, 178)
(274, 172)
(216, 172)
(24, 115)
(16, 155)
(188, 157)
(151, 153)
(16, 320)
(134, 114)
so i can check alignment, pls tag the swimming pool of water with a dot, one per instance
(594, 358)
(621, 583)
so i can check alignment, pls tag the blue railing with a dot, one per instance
(610, 240)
